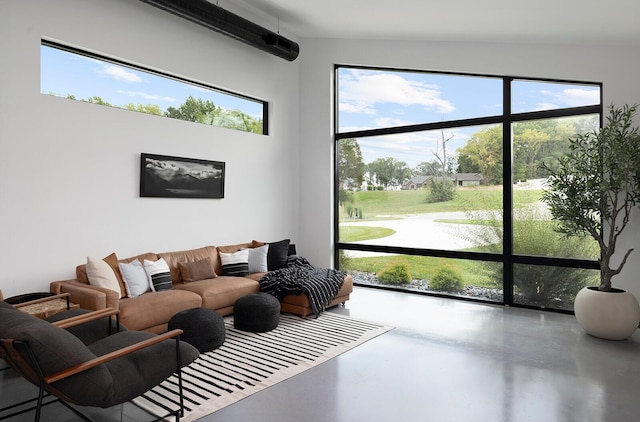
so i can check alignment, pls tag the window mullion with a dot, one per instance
(507, 193)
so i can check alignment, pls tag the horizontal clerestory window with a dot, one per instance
(92, 78)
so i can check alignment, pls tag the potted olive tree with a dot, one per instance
(592, 191)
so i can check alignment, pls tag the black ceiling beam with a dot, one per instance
(220, 20)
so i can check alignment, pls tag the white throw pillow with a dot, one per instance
(135, 278)
(235, 264)
(158, 274)
(258, 259)
(101, 274)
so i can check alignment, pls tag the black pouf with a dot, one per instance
(257, 312)
(202, 328)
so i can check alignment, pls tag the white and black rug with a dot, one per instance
(249, 362)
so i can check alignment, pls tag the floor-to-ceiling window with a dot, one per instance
(438, 183)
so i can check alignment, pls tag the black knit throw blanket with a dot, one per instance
(321, 285)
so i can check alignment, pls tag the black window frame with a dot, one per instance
(507, 258)
(119, 62)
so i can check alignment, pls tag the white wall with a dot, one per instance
(69, 171)
(613, 65)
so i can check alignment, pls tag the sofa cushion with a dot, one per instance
(277, 255)
(221, 292)
(81, 270)
(112, 260)
(256, 276)
(235, 264)
(135, 278)
(190, 255)
(258, 259)
(142, 369)
(101, 274)
(197, 270)
(235, 248)
(155, 308)
(159, 275)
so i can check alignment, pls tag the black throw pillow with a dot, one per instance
(277, 254)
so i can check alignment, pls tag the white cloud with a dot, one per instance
(391, 122)
(412, 148)
(199, 88)
(356, 108)
(119, 73)
(569, 97)
(546, 106)
(146, 96)
(361, 92)
(578, 97)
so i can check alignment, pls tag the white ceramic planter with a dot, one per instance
(608, 315)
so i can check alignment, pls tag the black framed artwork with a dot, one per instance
(177, 177)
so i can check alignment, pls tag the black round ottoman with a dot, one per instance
(257, 312)
(202, 328)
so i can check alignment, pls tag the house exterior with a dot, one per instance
(460, 179)
(468, 179)
(415, 183)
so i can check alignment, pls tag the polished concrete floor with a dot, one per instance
(446, 360)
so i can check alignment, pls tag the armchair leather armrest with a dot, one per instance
(85, 295)
(111, 356)
(84, 318)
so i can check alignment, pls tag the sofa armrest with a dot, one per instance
(85, 295)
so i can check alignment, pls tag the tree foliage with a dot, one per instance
(483, 154)
(533, 142)
(428, 168)
(350, 165)
(532, 235)
(389, 171)
(206, 112)
(596, 184)
(440, 191)
(98, 100)
(194, 110)
(145, 108)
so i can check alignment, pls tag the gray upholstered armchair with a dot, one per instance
(105, 373)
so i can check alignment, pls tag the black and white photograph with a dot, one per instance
(177, 177)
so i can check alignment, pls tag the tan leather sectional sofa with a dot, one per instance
(151, 311)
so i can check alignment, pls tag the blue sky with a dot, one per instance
(371, 99)
(367, 99)
(64, 73)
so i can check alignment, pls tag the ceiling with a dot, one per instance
(591, 22)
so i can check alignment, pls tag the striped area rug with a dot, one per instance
(249, 362)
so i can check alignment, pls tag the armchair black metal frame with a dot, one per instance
(20, 355)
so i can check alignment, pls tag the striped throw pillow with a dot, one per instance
(235, 264)
(158, 274)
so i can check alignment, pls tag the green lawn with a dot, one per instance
(358, 233)
(473, 273)
(382, 204)
(532, 236)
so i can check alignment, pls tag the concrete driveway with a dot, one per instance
(418, 231)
